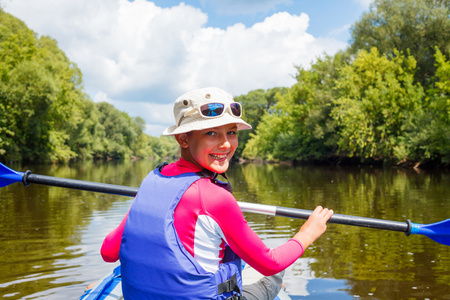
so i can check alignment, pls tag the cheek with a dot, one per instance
(200, 150)
(234, 142)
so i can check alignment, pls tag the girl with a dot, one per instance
(185, 234)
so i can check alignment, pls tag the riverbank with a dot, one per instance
(354, 162)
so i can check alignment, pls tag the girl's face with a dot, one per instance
(210, 148)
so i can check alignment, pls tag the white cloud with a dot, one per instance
(242, 59)
(144, 56)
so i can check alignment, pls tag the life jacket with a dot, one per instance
(155, 264)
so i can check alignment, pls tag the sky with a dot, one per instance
(141, 55)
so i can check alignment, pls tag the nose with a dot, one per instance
(224, 143)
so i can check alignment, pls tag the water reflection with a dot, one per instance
(376, 264)
(50, 237)
(43, 229)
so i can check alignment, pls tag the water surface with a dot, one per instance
(50, 237)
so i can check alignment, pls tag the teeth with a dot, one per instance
(218, 156)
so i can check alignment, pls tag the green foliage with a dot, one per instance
(417, 26)
(386, 98)
(116, 133)
(377, 101)
(27, 93)
(164, 148)
(255, 104)
(369, 107)
(38, 95)
(46, 116)
(262, 142)
(299, 126)
(429, 137)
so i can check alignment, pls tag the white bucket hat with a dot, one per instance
(188, 117)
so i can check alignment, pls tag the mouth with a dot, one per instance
(219, 156)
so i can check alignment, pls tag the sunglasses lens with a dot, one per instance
(216, 109)
(212, 109)
(236, 109)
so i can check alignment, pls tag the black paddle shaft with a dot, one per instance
(348, 220)
(28, 178)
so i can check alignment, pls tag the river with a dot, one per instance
(50, 237)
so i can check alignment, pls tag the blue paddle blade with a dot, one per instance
(438, 232)
(8, 176)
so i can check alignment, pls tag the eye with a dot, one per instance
(211, 133)
(232, 132)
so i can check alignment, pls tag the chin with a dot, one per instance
(219, 168)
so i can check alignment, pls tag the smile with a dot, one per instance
(219, 157)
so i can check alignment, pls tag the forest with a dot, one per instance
(384, 99)
(45, 116)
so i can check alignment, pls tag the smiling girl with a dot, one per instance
(185, 235)
(211, 148)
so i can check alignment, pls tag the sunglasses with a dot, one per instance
(215, 110)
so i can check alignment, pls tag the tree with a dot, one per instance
(428, 138)
(26, 93)
(86, 137)
(45, 114)
(377, 101)
(299, 126)
(410, 26)
(39, 93)
(116, 132)
(255, 104)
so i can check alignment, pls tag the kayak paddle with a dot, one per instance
(438, 232)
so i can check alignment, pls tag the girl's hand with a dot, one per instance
(314, 227)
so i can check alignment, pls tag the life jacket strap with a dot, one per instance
(205, 173)
(228, 286)
(161, 166)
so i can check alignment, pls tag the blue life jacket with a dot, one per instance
(155, 264)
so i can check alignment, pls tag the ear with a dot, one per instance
(182, 139)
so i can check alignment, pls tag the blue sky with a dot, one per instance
(141, 55)
(327, 17)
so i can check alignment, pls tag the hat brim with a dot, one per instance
(201, 123)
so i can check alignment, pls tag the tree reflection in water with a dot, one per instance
(50, 237)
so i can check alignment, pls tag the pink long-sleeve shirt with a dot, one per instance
(208, 217)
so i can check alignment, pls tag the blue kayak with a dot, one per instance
(110, 288)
